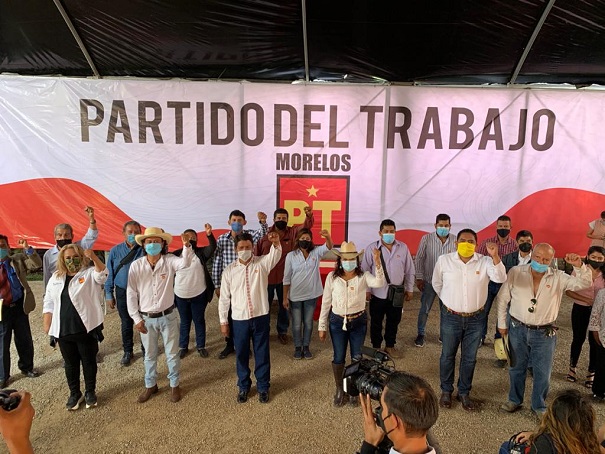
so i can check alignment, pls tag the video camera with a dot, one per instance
(368, 375)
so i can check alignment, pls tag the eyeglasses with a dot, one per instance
(531, 309)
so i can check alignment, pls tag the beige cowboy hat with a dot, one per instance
(153, 232)
(347, 251)
(502, 349)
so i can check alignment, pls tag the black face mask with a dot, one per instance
(193, 243)
(595, 265)
(304, 244)
(61, 243)
(503, 233)
(281, 225)
(525, 247)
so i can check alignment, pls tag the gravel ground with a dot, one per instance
(299, 418)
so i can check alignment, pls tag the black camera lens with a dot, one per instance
(7, 401)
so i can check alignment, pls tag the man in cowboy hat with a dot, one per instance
(400, 270)
(150, 299)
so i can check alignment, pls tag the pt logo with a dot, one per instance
(328, 197)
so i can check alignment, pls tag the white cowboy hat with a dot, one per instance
(347, 251)
(153, 232)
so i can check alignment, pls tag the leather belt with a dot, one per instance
(550, 325)
(464, 314)
(157, 314)
(350, 317)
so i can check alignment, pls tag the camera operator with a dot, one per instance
(16, 424)
(408, 409)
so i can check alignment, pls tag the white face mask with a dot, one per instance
(244, 255)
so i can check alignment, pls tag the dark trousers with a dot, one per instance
(126, 321)
(76, 350)
(379, 308)
(598, 386)
(492, 292)
(580, 317)
(257, 329)
(15, 320)
(192, 309)
(283, 318)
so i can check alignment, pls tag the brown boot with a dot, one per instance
(175, 394)
(145, 395)
(339, 396)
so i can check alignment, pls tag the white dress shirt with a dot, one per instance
(463, 286)
(347, 297)
(85, 292)
(519, 291)
(191, 281)
(244, 287)
(152, 289)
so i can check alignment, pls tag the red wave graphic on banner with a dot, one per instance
(32, 208)
(557, 216)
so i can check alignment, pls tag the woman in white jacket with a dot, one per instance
(73, 315)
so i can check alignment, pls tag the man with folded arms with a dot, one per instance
(150, 300)
(460, 280)
(534, 292)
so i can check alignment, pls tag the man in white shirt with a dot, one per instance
(244, 291)
(535, 292)
(461, 279)
(150, 300)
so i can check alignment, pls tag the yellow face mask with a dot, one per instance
(466, 249)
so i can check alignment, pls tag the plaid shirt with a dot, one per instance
(225, 251)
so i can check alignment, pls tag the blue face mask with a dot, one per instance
(236, 226)
(538, 267)
(131, 239)
(349, 265)
(3, 253)
(388, 238)
(153, 248)
(443, 231)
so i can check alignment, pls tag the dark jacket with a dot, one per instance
(204, 254)
(510, 260)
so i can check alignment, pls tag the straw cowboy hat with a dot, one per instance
(348, 251)
(155, 232)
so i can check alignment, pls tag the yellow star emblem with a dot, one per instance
(312, 191)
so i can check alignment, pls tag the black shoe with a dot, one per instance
(242, 396)
(263, 397)
(203, 352)
(74, 401)
(183, 352)
(31, 373)
(125, 361)
(226, 352)
(91, 399)
(419, 342)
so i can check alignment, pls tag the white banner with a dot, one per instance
(178, 154)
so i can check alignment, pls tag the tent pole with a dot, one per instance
(531, 41)
(305, 48)
(76, 36)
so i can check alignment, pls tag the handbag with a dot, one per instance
(395, 292)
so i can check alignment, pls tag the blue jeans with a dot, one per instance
(283, 319)
(535, 346)
(464, 332)
(302, 315)
(257, 329)
(426, 303)
(166, 326)
(192, 309)
(354, 335)
(492, 292)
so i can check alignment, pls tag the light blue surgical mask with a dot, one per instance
(443, 231)
(131, 239)
(538, 267)
(153, 248)
(388, 238)
(349, 265)
(236, 226)
(3, 253)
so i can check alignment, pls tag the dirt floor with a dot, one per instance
(299, 418)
